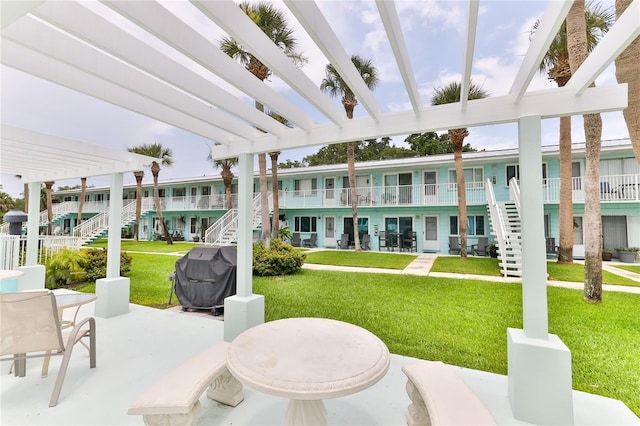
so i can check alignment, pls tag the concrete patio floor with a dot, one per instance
(136, 349)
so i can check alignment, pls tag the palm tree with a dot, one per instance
(49, 185)
(274, 177)
(446, 95)
(578, 52)
(83, 190)
(627, 71)
(274, 24)
(556, 65)
(334, 85)
(227, 176)
(25, 193)
(156, 150)
(139, 175)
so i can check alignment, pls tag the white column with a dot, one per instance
(539, 364)
(113, 291)
(33, 274)
(245, 309)
(115, 224)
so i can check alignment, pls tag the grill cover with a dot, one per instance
(205, 276)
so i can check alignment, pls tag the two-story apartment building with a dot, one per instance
(394, 196)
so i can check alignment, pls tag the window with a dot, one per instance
(513, 170)
(304, 224)
(205, 190)
(475, 225)
(179, 192)
(473, 177)
(305, 186)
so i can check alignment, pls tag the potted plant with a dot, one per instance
(493, 250)
(606, 254)
(628, 254)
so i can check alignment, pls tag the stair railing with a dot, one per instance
(498, 223)
(225, 229)
(514, 193)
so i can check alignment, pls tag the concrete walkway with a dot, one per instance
(421, 266)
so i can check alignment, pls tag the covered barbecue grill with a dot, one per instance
(205, 276)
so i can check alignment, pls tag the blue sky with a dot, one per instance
(434, 32)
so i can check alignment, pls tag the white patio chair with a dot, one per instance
(30, 328)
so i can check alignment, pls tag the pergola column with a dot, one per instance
(539, 364)
(113, 291)
(34, 274)
(245, 309)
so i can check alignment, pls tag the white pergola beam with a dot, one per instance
(467, 61)
(494, 110)
(154, 18)
(622, 34)
(12, 10)
(43, 66)
(228, 16)
(99, 32)
(317, 27)
(392, 26)
(38, 157)
(554, 14)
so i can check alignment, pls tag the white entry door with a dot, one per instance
(330, 231)
(578, 237)
(430, 234)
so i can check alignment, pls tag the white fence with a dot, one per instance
(13, 248)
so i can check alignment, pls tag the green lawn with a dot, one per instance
(362, 259)
(150, 246)
(463, 322)
(575, 273)
(630, 268)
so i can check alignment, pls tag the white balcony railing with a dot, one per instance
(613, 188)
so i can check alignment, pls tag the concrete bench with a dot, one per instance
(440, 397)
(174, 399)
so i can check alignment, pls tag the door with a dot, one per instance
(614, 231)
(578, 237)
(330, 239)
(329, 192)
(431, 240)
(430, 187)
(405, 181)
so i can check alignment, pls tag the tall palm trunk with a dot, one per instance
(227, 178)
(264, 191)
(457, 139)
(49, 185)
(577, 46)
(83, 190)
(275, 193)
(349, 102)
(138, 174)
(26, 197)
(627, 72)
(565, 248)
(155, 170)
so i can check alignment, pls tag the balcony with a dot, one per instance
(613, 188)
(135, 349)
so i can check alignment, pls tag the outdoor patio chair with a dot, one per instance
(366, 241)
(30, 328)
(382, 240)
(409, 241)
(344, 242)
(454, 245)
(311, 242)
(295, 240)
(481, 248)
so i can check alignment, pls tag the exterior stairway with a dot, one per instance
(59, 210)
(224, 232)
(506, 227)
(98, 226)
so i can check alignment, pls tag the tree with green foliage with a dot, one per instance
(292, 164)
(6, 203)
(273, 23)
(431, 143)
(165, 155)
(225, 165)
(447, 94)
(556, 65)
(334, 85)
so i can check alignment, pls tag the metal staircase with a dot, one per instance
(224, 232)
(59, 210)
(507, 229)
(98, 226)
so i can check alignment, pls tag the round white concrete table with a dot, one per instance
(308, 360)
(9, 280)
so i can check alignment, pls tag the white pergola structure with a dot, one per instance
(72, 45)
(38, 158)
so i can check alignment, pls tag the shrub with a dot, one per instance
(96, 266)
(280, 259)
(64, 268)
